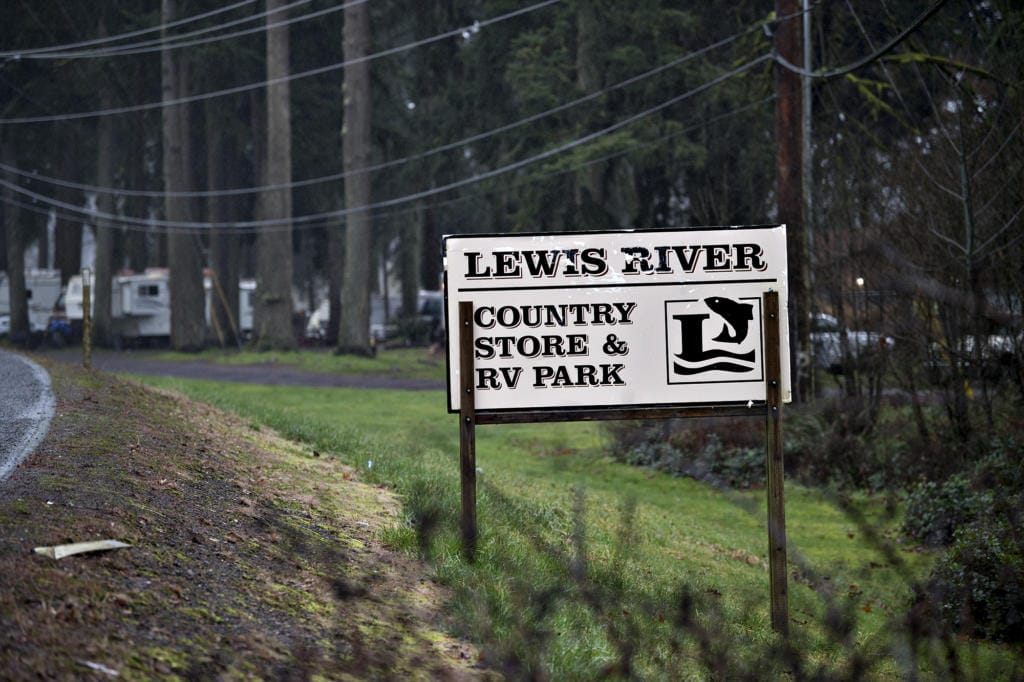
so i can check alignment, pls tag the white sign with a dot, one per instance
(616, 319)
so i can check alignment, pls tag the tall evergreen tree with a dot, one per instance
(14, 238)
(188, 327)
(354, 331)
(275, 243)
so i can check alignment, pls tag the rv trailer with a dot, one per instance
(42, 288)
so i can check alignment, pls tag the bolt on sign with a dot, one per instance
(597, 320)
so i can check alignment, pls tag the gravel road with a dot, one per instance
(26, 408)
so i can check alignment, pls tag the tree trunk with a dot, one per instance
(221, 153)
(275, 242)
(335, 275)
(140, 248)
(68, 236)
(14, 233)
(188, 326)
(410, 269)
(430, 250)
(354, 331)
(101, 316)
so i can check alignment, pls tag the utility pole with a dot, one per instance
(788, 178)
(808, 187)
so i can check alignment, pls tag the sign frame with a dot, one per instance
(773, 336)
(618, 304)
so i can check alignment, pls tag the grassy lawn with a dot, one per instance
(415, 363)
(587, 566)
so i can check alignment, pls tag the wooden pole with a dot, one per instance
(789, 186)
(467, 430)
(775, 468)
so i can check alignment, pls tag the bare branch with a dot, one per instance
(1001, 230)
(951, 192)
(948, 240)
(998, 151)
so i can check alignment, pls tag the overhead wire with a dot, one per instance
(472, 28)
(174, 42)
(256, 225)
(534, 179)
(402, 160)
(144, 224)
(32, 52)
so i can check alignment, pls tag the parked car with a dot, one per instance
(388, 322)
(827, 339)
(5, 325)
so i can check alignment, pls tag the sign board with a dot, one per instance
(638, 318)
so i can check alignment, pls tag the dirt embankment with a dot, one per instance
(250, 556)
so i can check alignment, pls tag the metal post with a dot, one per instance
(775, 468)
(467, 430)
(86, 318)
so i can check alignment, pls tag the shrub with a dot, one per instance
(979, 583)
(936, 510)
(693, 448)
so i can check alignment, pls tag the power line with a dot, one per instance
(33, 52)
(255, 225)
(144, 225)
(175, 42)
(395, 162)
(264, 83)
(640, 146)
(863, 61)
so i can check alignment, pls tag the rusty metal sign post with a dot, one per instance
(750, 322)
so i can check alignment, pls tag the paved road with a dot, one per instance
(272, 373)
(26, 408)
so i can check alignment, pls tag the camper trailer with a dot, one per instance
(140, 305)
(42, 288)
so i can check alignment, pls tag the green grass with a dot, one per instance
(415, 363)
(551, 500)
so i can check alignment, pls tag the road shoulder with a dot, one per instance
(250, 555)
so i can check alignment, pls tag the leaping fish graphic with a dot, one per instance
(737, 316)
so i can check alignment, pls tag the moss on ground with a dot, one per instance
(251, 556)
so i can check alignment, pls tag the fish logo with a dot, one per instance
(697, 352)
(737, 316)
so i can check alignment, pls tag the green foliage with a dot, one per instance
(588, 568)
(734, 467)
(978, 584)
(980, 580)
(410, 363)
(936, 510)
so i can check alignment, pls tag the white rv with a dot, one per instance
(140, 305)
(42, 288)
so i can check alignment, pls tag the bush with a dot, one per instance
(697, 453)
(936, 510)
(979, 583)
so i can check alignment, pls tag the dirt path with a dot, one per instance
(272, 373)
